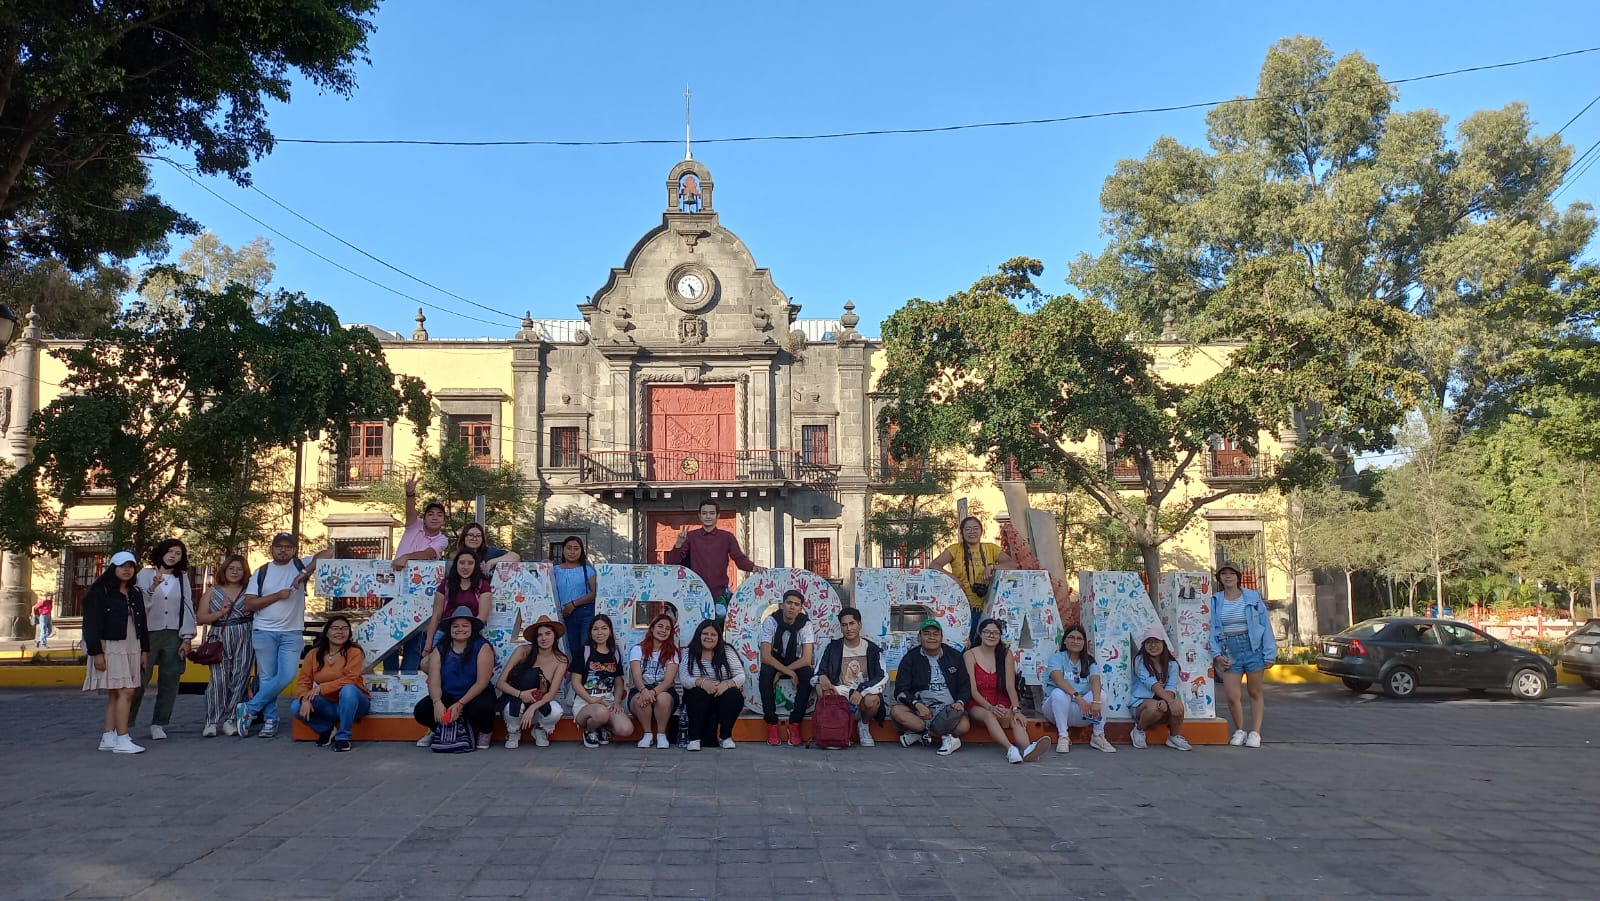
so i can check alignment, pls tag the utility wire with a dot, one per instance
(936, 129)
(253, 218)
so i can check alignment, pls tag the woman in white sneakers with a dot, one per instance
(1072, 696)
(1242, 647)
(1154, 696)
(529, 682)
(712, 678)
(116, 640)
(653, 671)
(994, 694)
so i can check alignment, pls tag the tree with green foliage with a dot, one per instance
(511, 502)
(186, 397)
(1433, 514)
(92, 89)
(1323, 183)
(212, 265)
(70, 304)
(1339, 532)
(976, 374)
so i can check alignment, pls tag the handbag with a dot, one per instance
(454, 737)
(209, 651)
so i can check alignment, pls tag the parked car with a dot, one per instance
(1580, 655)
(1400, 653)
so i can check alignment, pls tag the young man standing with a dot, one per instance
(931, 692)
(423, 539)
(276, 594)
(707, 550)
(788, 645)
(853, 667)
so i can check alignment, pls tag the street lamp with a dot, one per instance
(8, 328)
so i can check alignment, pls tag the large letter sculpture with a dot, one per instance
(757, 598)
(1025, 601)
(1185, 601)
(1116, 608)
(620, 587)
(878, 592)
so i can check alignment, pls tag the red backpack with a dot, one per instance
(833, 725)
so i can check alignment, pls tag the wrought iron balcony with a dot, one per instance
(685, 467)
(1237, 466)
(354, 474)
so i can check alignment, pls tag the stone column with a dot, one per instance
(16, 571)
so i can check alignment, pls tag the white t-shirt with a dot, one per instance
(769, 631)
(289, 614)
(651, 667)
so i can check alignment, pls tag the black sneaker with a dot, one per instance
(342, 744)
(591, 740)
(324, 737)
(604, 736)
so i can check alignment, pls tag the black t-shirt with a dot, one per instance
(600, 671)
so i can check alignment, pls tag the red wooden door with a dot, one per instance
(664, 529)
(692, 432)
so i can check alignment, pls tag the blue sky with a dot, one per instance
(877, 219)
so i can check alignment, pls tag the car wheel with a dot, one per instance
(1400, 683)
(1529, 684)
(1592, 681)
(1356, 685)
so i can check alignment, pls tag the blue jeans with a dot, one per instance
(578, 627)
(325, 714)
(44, 629)
(277, 659)
(406, 658)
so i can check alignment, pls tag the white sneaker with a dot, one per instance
(907, 739)
(228, 728)
(1064, 745)
(864, 735)
(949, 746)
(125, 745)
(541, 738)
(1253, 740)
(1237, 738)
(210, 731)
(1012, 754)
(108, 741)
(1036, 750)
(425, 741)
(1100, 743)
(694, 745)
(157, 733)
(1178, 743)
(649, 741)
(727, 744)
(513, 739)
(1138, 739)
(661, 741)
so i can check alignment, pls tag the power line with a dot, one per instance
(253, 218)
(935, 129)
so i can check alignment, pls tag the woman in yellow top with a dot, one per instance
(973, 562)
(332, 694)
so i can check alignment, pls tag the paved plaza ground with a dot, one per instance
(1447, 796)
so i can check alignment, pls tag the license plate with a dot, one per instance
(1332, 650)
(1586, 648)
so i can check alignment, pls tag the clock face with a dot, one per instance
(691, 286)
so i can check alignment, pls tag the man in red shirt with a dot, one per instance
(707, 550)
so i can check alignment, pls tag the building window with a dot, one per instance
(82, 566)
(564, 447)
(364, 456)
(1243, 551)
(478, 434)
(814, 445)
(905, 558)
(819, 556)
(361, 548)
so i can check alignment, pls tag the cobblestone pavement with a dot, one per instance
(1447, 796)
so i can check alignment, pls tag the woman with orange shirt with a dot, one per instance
(331, 695)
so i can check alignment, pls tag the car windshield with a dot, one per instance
(1592, 627)
(1364, 630)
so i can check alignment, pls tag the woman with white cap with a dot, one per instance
(529, 682)
(458, 680)
(116, 639)
(1242, 647)
(1156, 683)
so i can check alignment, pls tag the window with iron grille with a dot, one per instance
(564, 446)
(814, 445)
(478, 433)
(905, 558)
(819, 556)
(1243, 550)
(83, 565)
(361, 548)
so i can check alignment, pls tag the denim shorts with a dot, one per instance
(1242, 655)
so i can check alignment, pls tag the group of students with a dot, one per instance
(143, 623)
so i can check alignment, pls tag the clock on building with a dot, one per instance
(691, 287)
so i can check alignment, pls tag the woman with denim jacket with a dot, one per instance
(1154, 696)
(1242, 647)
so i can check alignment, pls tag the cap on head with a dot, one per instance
(931, 624)
(286, 538)
(1152, 632)
(123, 558)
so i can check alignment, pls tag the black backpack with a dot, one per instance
(261, 575)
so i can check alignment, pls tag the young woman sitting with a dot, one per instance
(1073, 696)
(1156, 683)
(529, 681)
(458, 680)
(712, 678)
(332, 695)
(994, 694)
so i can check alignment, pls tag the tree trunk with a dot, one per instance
(1151, 554)
(1349, 599)
(1438, 589)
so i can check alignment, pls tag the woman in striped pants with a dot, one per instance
(227, 617)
